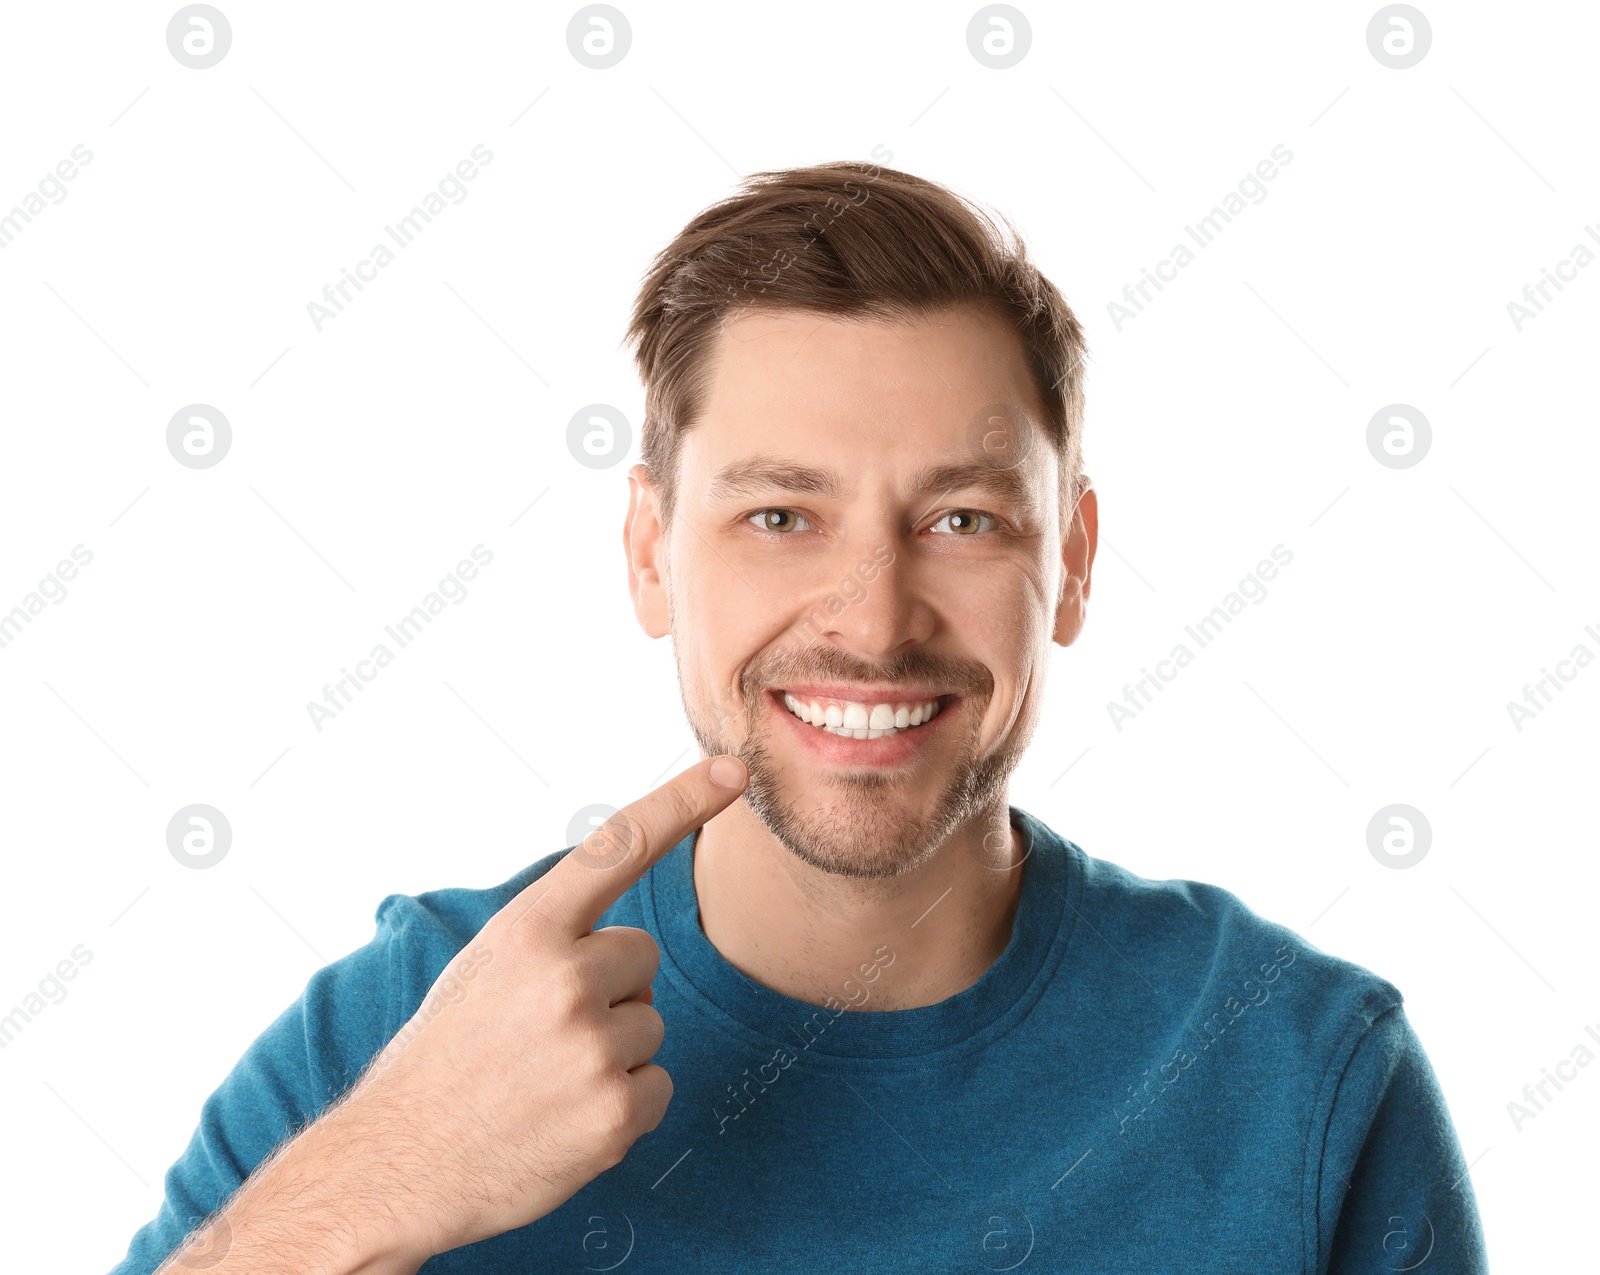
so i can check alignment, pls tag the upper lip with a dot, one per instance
(859, 694)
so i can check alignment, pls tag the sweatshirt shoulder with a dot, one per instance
(426, 930)
(429, 928)
(1200, 936)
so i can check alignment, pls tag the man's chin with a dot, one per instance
(868, 823)
(871, 827)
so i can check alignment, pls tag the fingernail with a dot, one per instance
(728, 772)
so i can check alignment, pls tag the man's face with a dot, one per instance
(867, 525)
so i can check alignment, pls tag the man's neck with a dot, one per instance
(913, 940)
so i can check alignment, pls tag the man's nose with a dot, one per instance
(867, 599)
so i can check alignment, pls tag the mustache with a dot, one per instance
(830, 664)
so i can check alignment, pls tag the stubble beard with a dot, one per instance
(861, 825)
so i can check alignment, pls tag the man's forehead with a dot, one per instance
(841, 380)
(963, 340)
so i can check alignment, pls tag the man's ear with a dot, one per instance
(644, 546)
(1077, 557)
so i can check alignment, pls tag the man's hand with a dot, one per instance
(524, 1075)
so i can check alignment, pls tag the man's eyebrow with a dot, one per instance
(755, 474)
(1003, 484)
(767, 473)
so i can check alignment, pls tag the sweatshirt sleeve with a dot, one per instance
(293, 1071)
(1392, 1192)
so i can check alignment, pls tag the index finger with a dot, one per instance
(594, 874)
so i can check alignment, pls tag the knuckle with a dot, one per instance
(615, 1106)
(645, 948)
(664, 1098)
(568, 986)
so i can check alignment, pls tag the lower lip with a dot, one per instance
(886, 750)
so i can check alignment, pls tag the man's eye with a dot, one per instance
(966, 522)
(781, 521)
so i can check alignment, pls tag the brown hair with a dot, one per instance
(844, 238)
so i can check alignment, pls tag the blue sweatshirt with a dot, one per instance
(1149, 1078)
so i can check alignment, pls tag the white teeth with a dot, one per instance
(860, 721)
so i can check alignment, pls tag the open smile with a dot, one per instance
(856, 725)
(860, 719)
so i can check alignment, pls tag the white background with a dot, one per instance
(368, 458)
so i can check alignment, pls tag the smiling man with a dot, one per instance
(827, 999)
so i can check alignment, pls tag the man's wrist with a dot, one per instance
(332, 1201)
